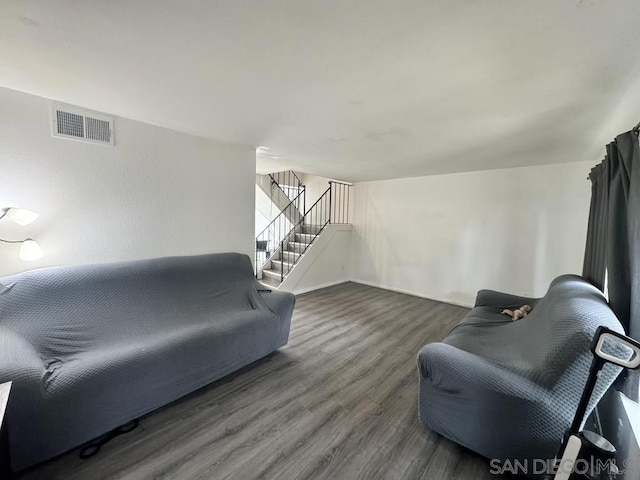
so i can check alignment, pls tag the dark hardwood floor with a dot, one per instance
(338, 402)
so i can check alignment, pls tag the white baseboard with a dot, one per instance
(414, 294)
(318, 287)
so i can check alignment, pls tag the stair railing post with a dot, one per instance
(282, 261)
(348, 193)
(330, 201)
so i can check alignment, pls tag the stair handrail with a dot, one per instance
(308, 213)
(317, 201)
(295, 175)
(299, 186)
(331, 207)
(289, 173)
(340, 202)
(275, 182)
(294, 205)
(281, 213)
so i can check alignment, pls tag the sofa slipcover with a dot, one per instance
(509, 389)
(91, 347)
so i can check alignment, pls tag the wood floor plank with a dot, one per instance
(339, 401)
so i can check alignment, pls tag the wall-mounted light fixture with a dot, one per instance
(21, 216)
(29, 248)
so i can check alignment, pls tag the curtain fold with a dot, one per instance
(630, 153)
(594, 266)
(613, 235)
(612, 252)
(617, 246)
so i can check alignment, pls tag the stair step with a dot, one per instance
(277, 265)
(304, 237)
(310, 229)
(290, 255)
(297, 246)
(270, 282)
(271, 275)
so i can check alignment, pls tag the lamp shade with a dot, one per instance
(30, 250)
(21, 216)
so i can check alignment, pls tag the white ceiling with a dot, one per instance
(356, 90)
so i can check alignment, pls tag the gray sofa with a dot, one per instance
(89, 348)
(509, 390)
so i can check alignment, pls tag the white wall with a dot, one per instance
(447, 236)
(157, 192)
(266, 210)
(325, 263)
(315, 186)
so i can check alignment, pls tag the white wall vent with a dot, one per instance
(79, 124)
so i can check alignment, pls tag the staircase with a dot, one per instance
(283, 260)
(279, 249)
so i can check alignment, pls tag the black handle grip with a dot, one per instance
(628, 342)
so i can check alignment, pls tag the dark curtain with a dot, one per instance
(613, 236)
(595, 254)
(630, 153)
